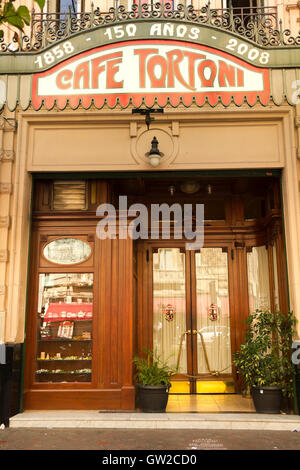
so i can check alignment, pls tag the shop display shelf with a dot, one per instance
(62, 340)
(63, 360)
(67, 319)
(63, 373)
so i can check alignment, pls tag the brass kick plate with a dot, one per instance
(202, 386)
(214, 386)
(180, 386)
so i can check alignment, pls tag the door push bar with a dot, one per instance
(196, 332)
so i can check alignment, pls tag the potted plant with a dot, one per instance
(153, 377)
(264, 359)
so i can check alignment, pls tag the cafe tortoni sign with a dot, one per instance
(177, 69)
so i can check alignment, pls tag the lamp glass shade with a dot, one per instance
(190, 187)
(154, 159)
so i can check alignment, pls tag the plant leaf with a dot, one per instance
(41, 3)
(8, 9)
(23, 12)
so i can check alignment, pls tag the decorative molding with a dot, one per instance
(3, 256)
(175, 128)
(168, 144)
(7, 155)
(5, 221)
(133, 129)
(293, 7)
(5, 188)
(297, 125)
(8, 125)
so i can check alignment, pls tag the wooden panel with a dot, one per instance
(112, 370)
(266, 147)
(79, 399)
(239, 302)
(282, 274)
(71, 151)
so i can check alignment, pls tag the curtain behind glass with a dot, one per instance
(213, 317)
(169, 305)
(258, 278)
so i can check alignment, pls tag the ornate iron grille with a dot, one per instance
(257, 24)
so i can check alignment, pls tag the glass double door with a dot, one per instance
(191, 317)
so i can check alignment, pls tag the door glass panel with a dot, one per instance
(213, 316)
(169, 306)
(276, 288)
(64, 332)
(258, 278)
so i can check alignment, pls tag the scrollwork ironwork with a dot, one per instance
(257, 24)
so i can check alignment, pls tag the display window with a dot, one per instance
(64, 327)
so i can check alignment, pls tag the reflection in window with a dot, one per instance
(258, 278)
(64, 331)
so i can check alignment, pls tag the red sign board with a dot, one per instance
(150, 72)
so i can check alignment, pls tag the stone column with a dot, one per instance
(7, 134)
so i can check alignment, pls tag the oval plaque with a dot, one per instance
(67, 251)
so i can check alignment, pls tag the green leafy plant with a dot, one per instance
(152, 371)
(264, 359)
(16, 17)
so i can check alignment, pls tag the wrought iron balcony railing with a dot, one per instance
(257, 24)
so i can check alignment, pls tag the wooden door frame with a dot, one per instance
(145, 299)
(112, 384)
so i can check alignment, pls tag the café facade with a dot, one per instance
(121, 112)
